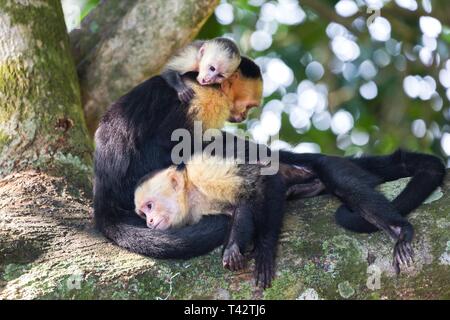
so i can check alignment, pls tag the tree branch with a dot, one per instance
(120, 45)
(48, 250)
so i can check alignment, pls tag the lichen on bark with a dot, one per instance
(40, 109)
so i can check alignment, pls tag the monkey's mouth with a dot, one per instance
(205, 82)
(161, 225)
(236, 119)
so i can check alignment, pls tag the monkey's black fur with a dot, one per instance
(257, 219)
(133, 139)
(365, 210)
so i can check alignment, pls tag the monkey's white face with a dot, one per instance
(158, 201)
(215, 65)
(157, 214)
(212, 72)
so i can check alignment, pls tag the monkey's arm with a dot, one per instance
(173, 78)
(259, 219)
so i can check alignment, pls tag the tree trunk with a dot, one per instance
(41, 121)
(119, 45)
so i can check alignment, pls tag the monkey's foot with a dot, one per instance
(264, 270)
(403, 254)
(232, 258)
(186, 94)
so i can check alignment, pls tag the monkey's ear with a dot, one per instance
(201, 51)
(177, 181)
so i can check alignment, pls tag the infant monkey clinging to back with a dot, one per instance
(214, 60)
(177, 196)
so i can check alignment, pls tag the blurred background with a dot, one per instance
(341, 77)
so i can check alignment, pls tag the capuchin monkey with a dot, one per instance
(214, 60)
(206, 185)
(134, 139)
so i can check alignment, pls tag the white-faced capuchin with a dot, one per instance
(205, 185)
(134, 138)
(214, 60)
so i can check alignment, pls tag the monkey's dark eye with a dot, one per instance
(212, 68)
(149, 206)
(220, 75)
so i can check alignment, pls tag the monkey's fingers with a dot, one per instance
(264, 276)
(396, 266)
(239, 261)
(233, 259)
(403, 255)
(264, 272)
(186, 95)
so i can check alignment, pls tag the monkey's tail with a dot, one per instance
(131, 233)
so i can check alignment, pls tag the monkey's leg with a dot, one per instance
(354, 186)
(427, 174)
(173, 78)
(268, 223)
(240, 235)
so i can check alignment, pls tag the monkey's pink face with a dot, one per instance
(156, 215)
(210, 74)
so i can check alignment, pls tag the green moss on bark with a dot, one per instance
(41, 120)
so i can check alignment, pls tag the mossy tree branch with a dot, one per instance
(60, 256)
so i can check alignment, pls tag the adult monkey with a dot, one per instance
(133, 139)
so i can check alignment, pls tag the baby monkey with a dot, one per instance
(177, 196)
(214, 60)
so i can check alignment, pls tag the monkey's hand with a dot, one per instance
(403, 251)
(185, 94)
(264, 269)
(232, 258)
